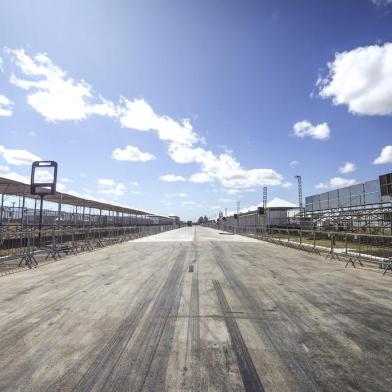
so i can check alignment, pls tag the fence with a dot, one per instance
(26, 247)
(375, 248)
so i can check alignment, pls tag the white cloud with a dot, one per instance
(361, 79)
(132, 153)
(1, 65)
(172, 178)
(110, 187)
(223, 200)
(348, 167)
(32, 133)
(66, 180)
(336, 182)
(54, 95)
(18, 157)
(305, 128)
(294, 163)
(16, 177)
(224, 168)
(133, 183)
(5, 106)
(200, 178)
(232, 191)
(384, 157)
(61, 187)
(4, 169)
(139, 115)
(57, 97)
(106, 182)
(322, 185)
(287, 184)
(381, 3)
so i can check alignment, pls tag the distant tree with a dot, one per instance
(201, 220)
(205, 219)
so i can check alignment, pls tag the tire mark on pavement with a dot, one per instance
(144, 364)
(247, 369)
(298, 366)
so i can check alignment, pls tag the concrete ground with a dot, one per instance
(251, 316)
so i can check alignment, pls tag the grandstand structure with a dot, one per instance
(19, 207)
(361, 208)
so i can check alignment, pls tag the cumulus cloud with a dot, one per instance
(6, 172)
(294, 163)
(5, 106)
(18, 157)
(384, 157)
(307, 129)
(348, 167)
(132, 153)
(139, 115)
(172, 178)
(232, 191)
(223, 200)
(58, 97)
(54, 95)
(16, 177)
(336, 182)
(223, 168)
(108, 186)
(361, 79)
(381, 3)
(200, 178)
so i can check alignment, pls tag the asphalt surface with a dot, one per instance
(251, 316)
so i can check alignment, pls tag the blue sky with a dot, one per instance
(221, 96)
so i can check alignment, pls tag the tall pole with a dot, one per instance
(22, 214)
(1, 209)
(300, 203)
(40, 219)
(264, 197)
(59, 212)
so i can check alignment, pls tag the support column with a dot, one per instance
(22, 213)
(1, 209)
(59, 212)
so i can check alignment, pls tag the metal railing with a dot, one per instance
(21, 248)
(350, 247)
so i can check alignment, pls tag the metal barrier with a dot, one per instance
(25, 247)
(349, 247)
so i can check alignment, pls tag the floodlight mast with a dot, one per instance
(300, 202)
(42, 189)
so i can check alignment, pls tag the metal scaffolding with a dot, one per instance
(62, 209)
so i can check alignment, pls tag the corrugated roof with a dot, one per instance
(16, 188)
